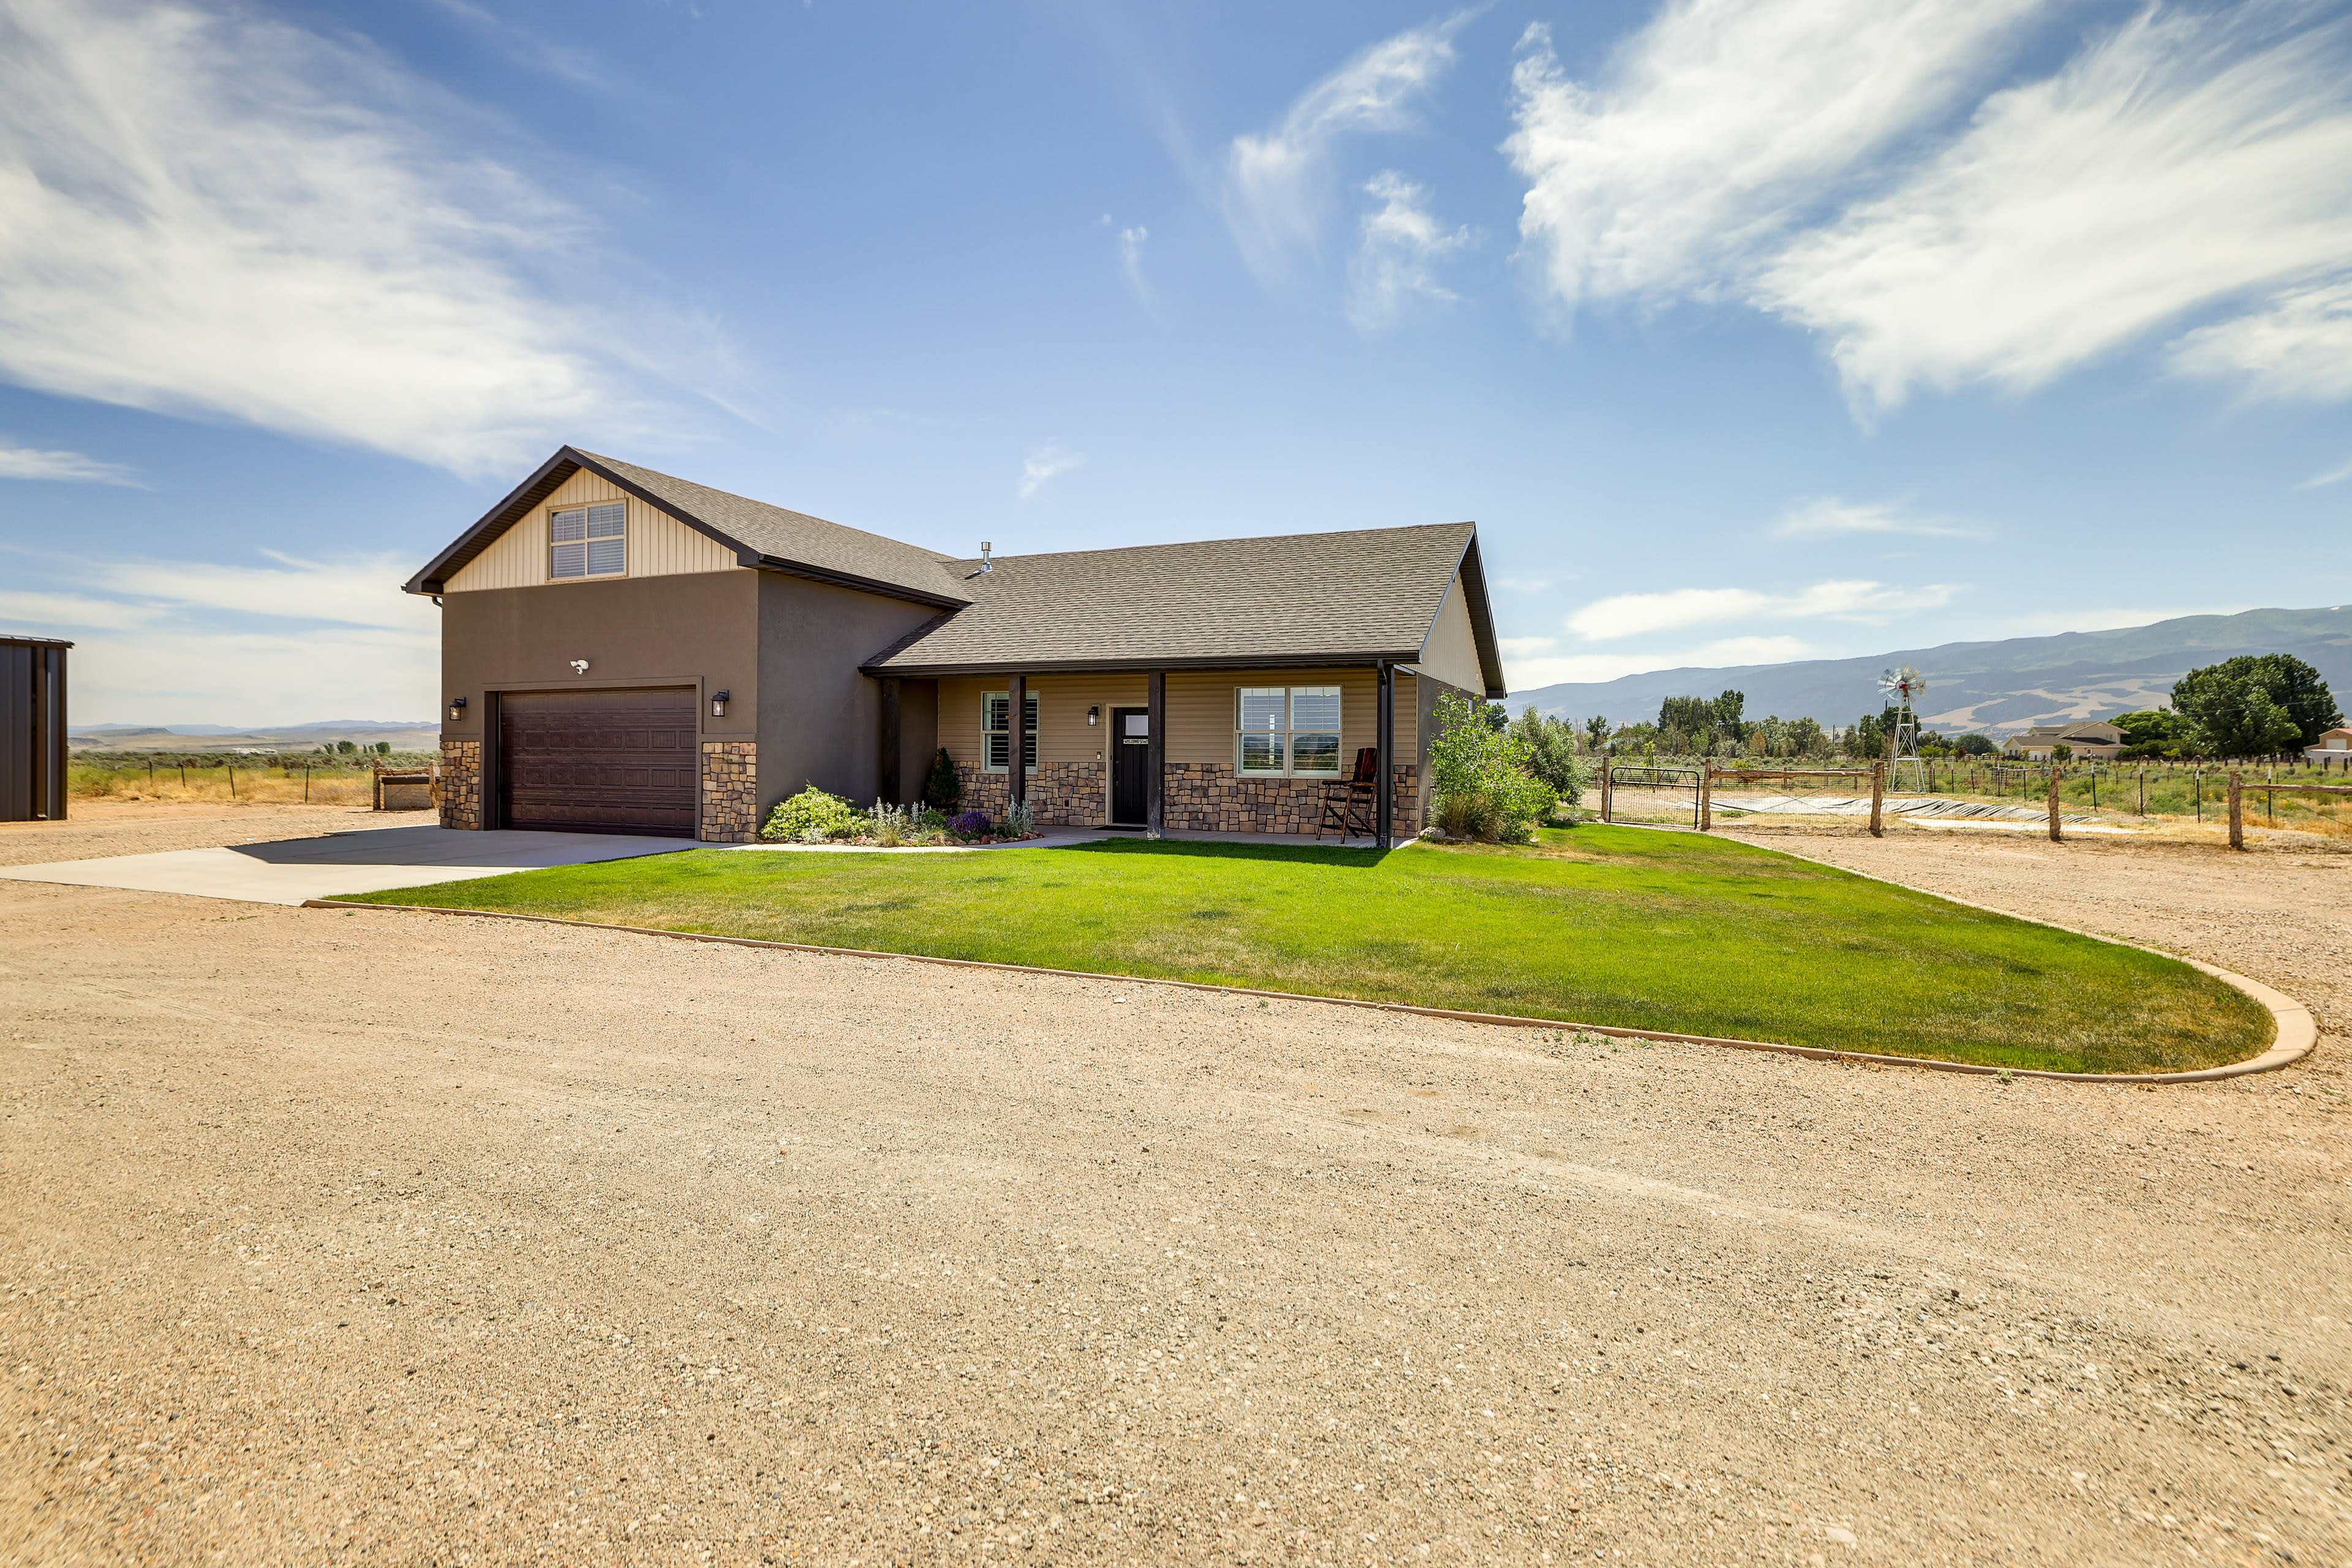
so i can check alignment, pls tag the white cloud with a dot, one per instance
(1398, 255)
(2331, 477)
(206, 641)
(226, 216)
(1279, 184)
(1721, 125)
(1635, 615)
(1827, 517)
(1044, 463)
(1130, 259)
(1532, 668)
(2174, 165)
(36, 463)
(1795, 156)
(2299, 346)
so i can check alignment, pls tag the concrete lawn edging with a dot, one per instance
(2296, 1032)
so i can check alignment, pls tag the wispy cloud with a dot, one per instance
(274, 641)
(225, 215)
(1724, 125)
(1280, 184)
(71, 467)
(1044, 464)
(2333, 476)
(1867, 603)
(1827, 517)
(1397, 258)
(1801, 156)
(2176, 164)
(1528, 666)
(1130, 260)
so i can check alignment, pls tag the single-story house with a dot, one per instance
(2333, 748)
(625, 651)
(2084, 738)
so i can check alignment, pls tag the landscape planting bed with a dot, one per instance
(1598, 925)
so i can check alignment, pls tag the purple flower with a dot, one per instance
(968, 823)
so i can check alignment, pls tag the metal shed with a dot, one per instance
(32, 729)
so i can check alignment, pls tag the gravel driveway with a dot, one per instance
(340, 1237)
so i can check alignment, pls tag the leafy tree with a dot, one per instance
(2234, 714)
(1685, 716)
(347, 747)
(1975, 746)
(1807, 738)
(2285, 682)
(1596, 731)
(1551, 752)
(384, 748)
(2061, 752)
(1726, 711)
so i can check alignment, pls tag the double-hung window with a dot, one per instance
(995, 742)
(588, 541)
(1292, 730)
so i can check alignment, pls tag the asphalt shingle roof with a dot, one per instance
(1365, 593)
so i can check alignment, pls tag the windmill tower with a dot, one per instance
(1902, 688)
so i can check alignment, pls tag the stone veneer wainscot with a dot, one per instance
(461, 784)
(730, 791)
(1201, 797)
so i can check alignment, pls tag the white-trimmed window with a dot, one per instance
(1287, 729)
(994, 742)
(588, 541)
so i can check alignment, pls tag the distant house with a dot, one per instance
(626, 651)
(2087, 738)
(2333, 749)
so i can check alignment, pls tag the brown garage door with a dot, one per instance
(599, 761)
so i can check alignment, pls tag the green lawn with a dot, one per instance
(1597, 925)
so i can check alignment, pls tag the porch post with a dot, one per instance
(1016, 740)
(888, 775)
(1155, 724)
(1384, 794)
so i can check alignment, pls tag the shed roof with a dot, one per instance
(771, 537)
(1299, 599)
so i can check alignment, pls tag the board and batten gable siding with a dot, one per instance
(1203, 711)
(1451, 654)
(659, 545)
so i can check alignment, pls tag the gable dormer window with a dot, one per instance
(588, 541)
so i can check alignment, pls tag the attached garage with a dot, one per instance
(600, 762)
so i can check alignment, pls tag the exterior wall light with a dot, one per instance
(719, 703)
(579, 666)
(1093, 717)
(457, 709)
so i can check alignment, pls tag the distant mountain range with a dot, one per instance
(423, 736)
(1993, 688)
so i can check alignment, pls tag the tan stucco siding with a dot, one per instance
(1452, 652)
(659, 545)
(1202, 712)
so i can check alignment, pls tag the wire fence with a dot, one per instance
(323, 780)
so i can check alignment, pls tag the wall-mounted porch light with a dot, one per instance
(719, 703)
(579, 666)
(457, 709)
(1093, 717)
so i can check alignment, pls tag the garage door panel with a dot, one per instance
(600, 762)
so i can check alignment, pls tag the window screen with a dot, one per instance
(588, 541)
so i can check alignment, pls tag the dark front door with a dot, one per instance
(1131, 765)
(600, 762)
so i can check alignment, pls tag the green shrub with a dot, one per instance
(812, 817)
(944, 787)
(1484, 778)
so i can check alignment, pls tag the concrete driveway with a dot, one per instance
(367, 860)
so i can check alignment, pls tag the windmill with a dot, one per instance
(1902, 688)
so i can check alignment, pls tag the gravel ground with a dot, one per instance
(381, 1238)
(95, 829)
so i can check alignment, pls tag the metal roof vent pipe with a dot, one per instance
(985, 564)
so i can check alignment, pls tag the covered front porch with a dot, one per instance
(1231, 750)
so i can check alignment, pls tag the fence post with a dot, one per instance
(1705, 797)
(2055, 837)
(1878, 799)
(2237, 815)
(1608, 782)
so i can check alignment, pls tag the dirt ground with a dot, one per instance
(97, 828)
(335, 1236)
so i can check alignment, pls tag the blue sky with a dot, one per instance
(1745, 329)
